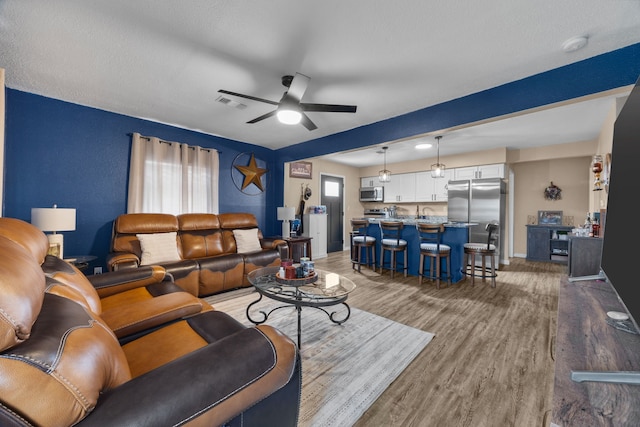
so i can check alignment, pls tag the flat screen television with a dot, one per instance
(622, 227)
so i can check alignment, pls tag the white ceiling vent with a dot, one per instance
(231, 103)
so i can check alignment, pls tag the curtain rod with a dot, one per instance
(169, 142)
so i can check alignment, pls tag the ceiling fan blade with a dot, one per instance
(262, 117)
(248, 97)
(306, 122)
(298, 86)
(331, 108)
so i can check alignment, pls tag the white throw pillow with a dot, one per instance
(158, 248)
(247, 240)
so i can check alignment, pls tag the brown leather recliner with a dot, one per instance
(130, 302)
(61, 364)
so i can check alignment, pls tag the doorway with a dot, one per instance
(331, 196)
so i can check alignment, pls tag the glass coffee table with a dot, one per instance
(325, 289)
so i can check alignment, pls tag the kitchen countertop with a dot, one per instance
(414, 221)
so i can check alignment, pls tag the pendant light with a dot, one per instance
(384, 175)
(437, 169)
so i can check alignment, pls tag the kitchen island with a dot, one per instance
(455, 235)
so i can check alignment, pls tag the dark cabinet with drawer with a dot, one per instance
(549, 243)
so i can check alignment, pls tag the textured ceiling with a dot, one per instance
(166, 60)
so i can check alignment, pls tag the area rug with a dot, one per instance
(345, 368)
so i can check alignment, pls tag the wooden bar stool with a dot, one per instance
(362, 242)
(431, 246)
(484, 250)
(392, 241)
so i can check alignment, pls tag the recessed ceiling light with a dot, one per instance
(423, 146)
(574, 43)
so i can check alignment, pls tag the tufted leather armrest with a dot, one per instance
(274, 243)
(224, 389)
(121, 260)
(119, 281)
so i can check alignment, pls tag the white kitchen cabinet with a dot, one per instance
(401, 189)
(429, 189)
(483, 171)
(315, 226)
(441, 186)
(465, 173)
(370, 181)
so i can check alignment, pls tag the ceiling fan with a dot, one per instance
(290, 110)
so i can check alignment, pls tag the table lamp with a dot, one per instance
(54, 219)
(286, 215)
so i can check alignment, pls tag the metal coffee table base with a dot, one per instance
(298, 304)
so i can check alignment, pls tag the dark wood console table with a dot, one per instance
(548, 243)
(299, 247)
(586, 342)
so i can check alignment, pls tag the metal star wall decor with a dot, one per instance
(252, 173)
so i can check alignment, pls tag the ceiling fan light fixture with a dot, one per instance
(437, 169)
(384, 175)
(289, 116)
(288, 112)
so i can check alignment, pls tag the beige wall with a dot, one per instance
(566, 165)
(598, 199)
(572, 175)
(352, 206)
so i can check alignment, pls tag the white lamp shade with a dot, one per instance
(54, 219)
(286, 214)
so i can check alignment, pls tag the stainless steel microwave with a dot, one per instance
(371, 194)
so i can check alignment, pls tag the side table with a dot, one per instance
(299, 247)
(81, 262)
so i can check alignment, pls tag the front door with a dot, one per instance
(332, 188)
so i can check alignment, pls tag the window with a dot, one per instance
(170, 177)
(331, 189)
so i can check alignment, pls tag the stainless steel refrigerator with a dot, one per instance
(479, 201)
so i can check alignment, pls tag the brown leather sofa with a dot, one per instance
(209, 261)
(62, 365)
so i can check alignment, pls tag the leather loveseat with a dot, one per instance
(61, 364)
(209, 258)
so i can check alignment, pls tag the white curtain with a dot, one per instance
(170, 177)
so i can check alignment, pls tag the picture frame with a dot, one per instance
(300, 170)
(550, 217)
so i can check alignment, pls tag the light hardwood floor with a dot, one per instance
(491, 361)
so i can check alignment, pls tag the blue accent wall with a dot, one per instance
(76, 156)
